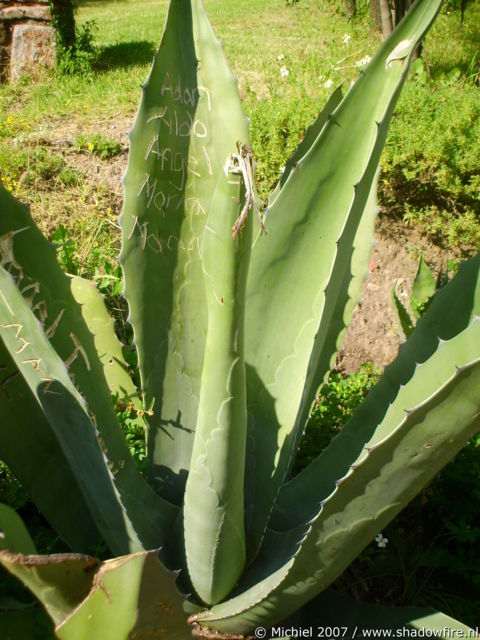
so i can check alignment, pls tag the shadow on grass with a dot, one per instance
(125, 54)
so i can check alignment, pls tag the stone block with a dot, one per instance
(27, 12)
(24, 2)
(33, 47)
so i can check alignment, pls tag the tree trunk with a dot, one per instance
(381, 16)
(386, 18)
(463, 6)
(64, 21)
(400, 9)
(375, 15)
(350, 8)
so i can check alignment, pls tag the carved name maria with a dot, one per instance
(27, 39)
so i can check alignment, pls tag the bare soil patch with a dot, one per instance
(372, 335)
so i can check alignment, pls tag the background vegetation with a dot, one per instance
(63, 148)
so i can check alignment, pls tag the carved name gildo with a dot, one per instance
(167, 187)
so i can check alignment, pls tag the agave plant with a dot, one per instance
(237, 314)
(424, 286)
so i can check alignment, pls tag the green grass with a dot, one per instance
(431, 174)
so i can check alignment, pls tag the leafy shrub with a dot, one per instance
(335, 403)
(276, 129)
(81, 58)
(97, 145)
(430, 164)
(11, 491)
(66, 250)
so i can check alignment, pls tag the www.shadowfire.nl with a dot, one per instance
(405, 632)
(334, 633)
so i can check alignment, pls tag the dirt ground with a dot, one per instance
(372, 335)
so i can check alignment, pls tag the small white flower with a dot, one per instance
(381, 541)
(346, 38)
(328, 83)
(363, 62)
(284, 72)
(282, 169)
(280, 57)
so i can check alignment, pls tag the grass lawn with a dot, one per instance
(63, 149)
(431, 168)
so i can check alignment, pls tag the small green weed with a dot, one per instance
(99, 146)
(11, 491)
(66, 250)
(134, 433)
(12, 125)
(33, 168)
(70, 177)
(336, 401)
(40, 163)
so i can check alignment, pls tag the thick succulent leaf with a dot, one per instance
(332, 609)
(128, 597)
(14, 536)
(31, 261)
(131, 597)
(31, 449)
(189, 120)
(354, 279)
(33, 454)
(403, 321)
(423, 288)
(412, 423)
(109, 348)
(454, 311)
(46, 290)
(300, 273)
(213, 511)
(60, 581)
(106, 492)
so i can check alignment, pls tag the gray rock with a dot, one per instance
(12, 2)
(33, 47)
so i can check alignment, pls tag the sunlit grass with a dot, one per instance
(287, 59)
